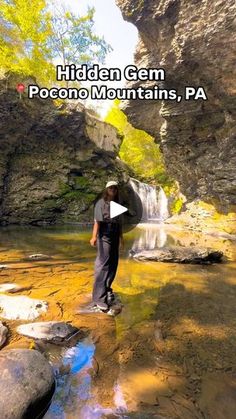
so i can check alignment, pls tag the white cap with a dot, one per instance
(111, 183)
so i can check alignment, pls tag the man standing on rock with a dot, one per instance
(108, 237)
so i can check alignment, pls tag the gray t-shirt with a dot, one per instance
(102, 213)
(109, 227)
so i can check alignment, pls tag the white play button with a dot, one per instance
(116, 209)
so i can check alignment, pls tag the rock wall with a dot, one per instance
(195, 41)
(54, 160)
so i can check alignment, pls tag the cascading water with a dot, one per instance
(163, 211)
(155, 206)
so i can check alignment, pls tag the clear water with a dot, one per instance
(118, 370)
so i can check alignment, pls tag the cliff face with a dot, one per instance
(54, 161)
(195, 41)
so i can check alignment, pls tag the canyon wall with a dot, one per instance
(54, 160)
(195, 41)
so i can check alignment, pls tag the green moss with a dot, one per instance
(63, 188)
(82, 183)
(75, 195)
(50, 204)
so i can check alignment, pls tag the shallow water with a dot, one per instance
(170, 353)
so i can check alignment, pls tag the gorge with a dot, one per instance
(197, 138)
(195, 42)
(170, 350)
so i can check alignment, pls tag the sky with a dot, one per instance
(121, 35)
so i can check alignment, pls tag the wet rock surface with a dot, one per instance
(21, 307)
(195, 43)
(48, 331)
(180, 255)
(165, 355)
(54, 160)
(203, 217)
(27, 384)
(9, 287)
(38, 257)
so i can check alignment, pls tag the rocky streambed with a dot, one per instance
(170, 352)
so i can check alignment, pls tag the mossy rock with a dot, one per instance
(63, 188)
(82, 183)
(78, 195)
(51, 204)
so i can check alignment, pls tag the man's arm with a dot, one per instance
(121, 237)
(93, 240)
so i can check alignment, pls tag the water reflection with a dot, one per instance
(127, 374)
(74, 387)
(150, 238)
(73, 379)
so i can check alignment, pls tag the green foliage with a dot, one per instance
(73, 39)
(36, 33)
(138, 149)
(177, 206)
(24, 33)
(170, 187)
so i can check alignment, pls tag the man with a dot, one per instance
(107, 236)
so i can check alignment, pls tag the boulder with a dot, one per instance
(49, 331)
(180, 255)
(21, 307)
(38, 257)
(3, 334)
(12, 288)
(26, 382)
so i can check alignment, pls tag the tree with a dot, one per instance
(73, 40)
(138, 149)
(24, 33)
(34, 35)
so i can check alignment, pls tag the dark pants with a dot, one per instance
(105, 267)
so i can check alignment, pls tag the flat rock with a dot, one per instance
(21, 307)
(26, 382)
(180, 255)
(49, 331)
(9, 287)
(38, 257)
(3, 334)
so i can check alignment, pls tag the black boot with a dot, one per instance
(110, 298)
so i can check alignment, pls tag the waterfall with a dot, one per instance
(163, 205)
(155, 206)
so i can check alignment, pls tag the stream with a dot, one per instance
(170, 353)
